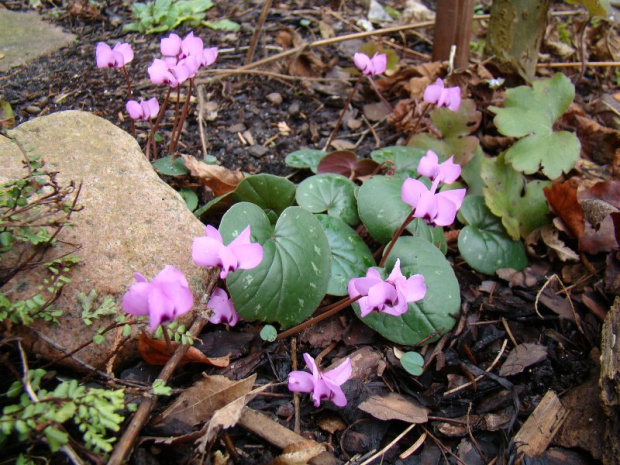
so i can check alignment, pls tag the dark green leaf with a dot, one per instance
(305, 158)
(330, 193)
(170, 166)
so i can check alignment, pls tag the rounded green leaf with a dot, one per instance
(435, 311)
(413, 362)
(190, 198)
(170, 166)
(305, 158)
(351, 257)
(405, 159)
(330, 193)
(290, 282)
(272, 193)
(483, 243)
(268, 333)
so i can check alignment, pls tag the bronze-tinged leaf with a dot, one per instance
(562, 197)
(155, 352)
(217, 178)
(521, 357)
(346, 163)
(200, 402)
(395, 407)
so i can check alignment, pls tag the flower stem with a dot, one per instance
(164, 330)
(346, 105)
(154, 127)
(175, 138)
(417, 123)
(397, 234)
(332, 310)
(129, 97)
(373, 84)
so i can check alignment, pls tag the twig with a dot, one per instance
(389, 446)
(257, 30)
(141, 416)
(201, 120)
(344, 110)
(578, 64)
(415, 446)
(478, 378)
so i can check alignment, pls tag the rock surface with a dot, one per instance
(131, 221)
(24, 37)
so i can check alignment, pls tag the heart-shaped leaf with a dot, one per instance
(435, 311)
(483, 243)
(346, 163)
(190, 197)
(272, 193)
(503, 194)
(455, 128)
(305, 158)
(382, 210)
(530, 113)
(413, 362)
(330, 193)
(292, 278)
(351, 257)
(170, 166)
(405, 160)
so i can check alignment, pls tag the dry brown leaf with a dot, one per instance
(521, 357)
(217, 178)
(395, 407)
(340, 144)
(155, 352)
(562, 197)
(550, 237)
(299, 453)
(200, 402)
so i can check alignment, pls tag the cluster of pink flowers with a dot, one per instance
(116, 57)
(390, 296)
(182, 59)
(436, 208)
(437, 93)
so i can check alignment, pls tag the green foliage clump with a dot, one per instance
(40, 414)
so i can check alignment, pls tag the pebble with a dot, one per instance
(33, 109)
(275, 98)
(239, 127)
(294, 108)
(258, 150)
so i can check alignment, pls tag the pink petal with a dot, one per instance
(413, 289)
(336, 396)
(446, 211)
(340, 374)
(310, 363)
(362, 61)
(248, 256)
(397, 309)
(382, 294)
(134, 109)
(192, 46)
(159, 72)
(412, 190)
(453, 98)
(153, 108)
(432, 93)
(229, 261)
(360, 286)
(396, 274)
(222, 307)
(161, 308)
(171, 45)
(365, 308)
(210, 231)
(126, 52)
(321, 391)
(427, 206)
(449, 171)
(243, 238)
(209, 56)
(300, 381)
(104, 55)
(135, 300)
(379, 63)
(455, 196)
(429, 165)
(206, 251)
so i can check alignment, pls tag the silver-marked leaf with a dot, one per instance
(305, 158)
(435, 311)
(290, 282)
(483, 243)
(404, 159)
(330, 193)
(351, 257)
(272, 193)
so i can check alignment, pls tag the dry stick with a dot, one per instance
(344, 110)
(332, 311)
(257, 30)
(141, 416)
(577, 64)
(201, 120)
(389, 446)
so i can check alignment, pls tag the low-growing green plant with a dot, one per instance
(52, 415)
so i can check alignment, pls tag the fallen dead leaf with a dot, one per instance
(155, 352)
(299, 453)
(340, 144)
(200, 402)
(395, 407)
(562, 197)
(217, 178)
(346, 163)
(521, 357)
(550, 237)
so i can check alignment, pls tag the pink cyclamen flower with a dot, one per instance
(370, 66)
(322, 385)
(449, 97)
(222, 307)
(166, 72)
(116, 57)
(240, 253)
(446, 172)
(144, 110)
(390, 296)
(438, 209)
(162, 300)
(171, 45)
(209, 55)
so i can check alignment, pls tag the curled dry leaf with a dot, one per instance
(217, 178)
(395, 407)
(562, 197)
(299, 453)
(521, 357)
(155, 352)
(550, 237)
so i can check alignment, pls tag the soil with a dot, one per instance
(493, 311)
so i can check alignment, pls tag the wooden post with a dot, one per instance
(453, 27)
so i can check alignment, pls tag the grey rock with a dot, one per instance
(274, 98)
(131, 221)
(258, 151)
(24, 37)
